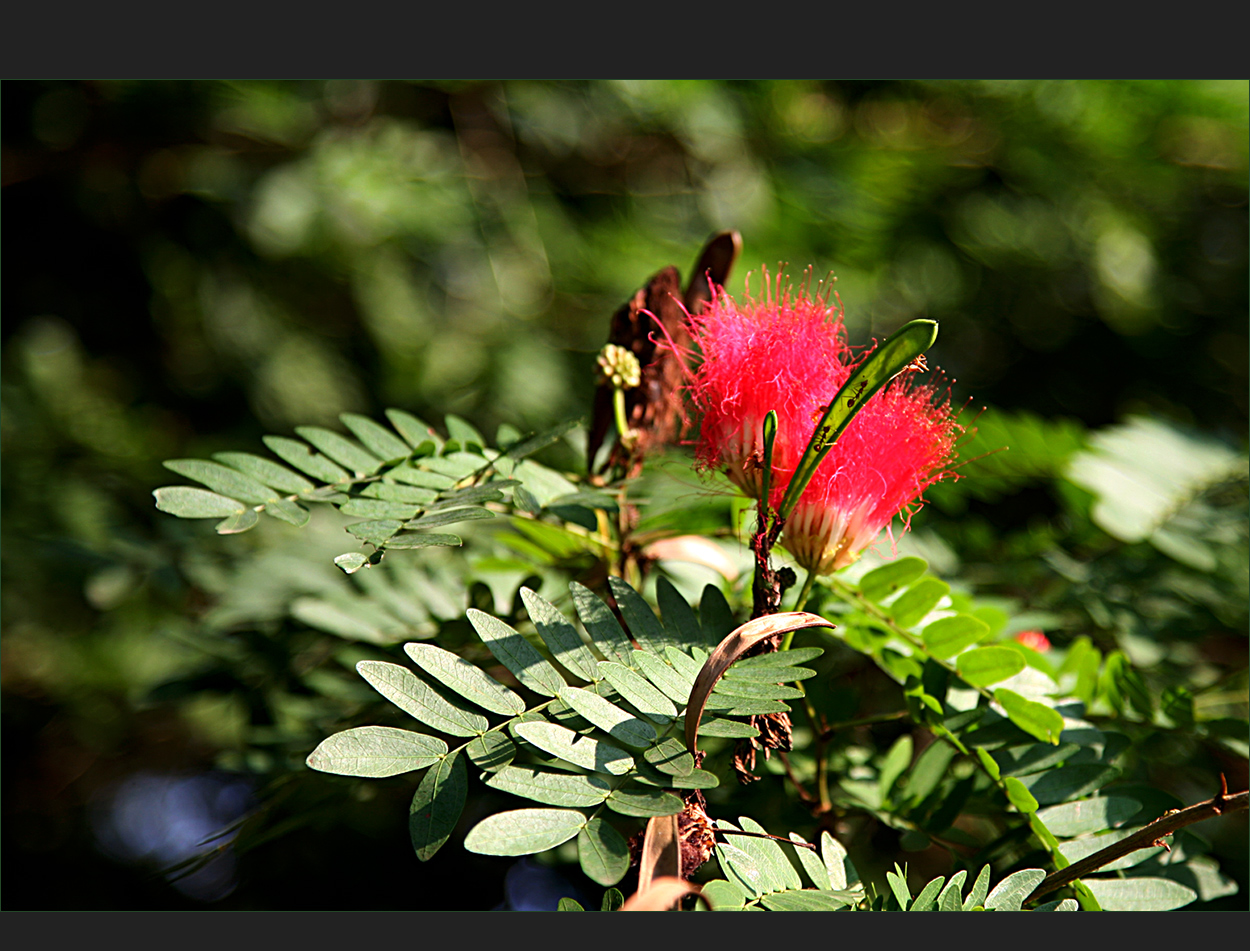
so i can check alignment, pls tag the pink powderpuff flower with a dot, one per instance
(788, 353)
(1034, 640)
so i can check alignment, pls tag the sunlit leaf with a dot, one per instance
(266, 471)
(416, 698)
(524, 831)
(621, 726)
(187, 502)
(1034, 718)
(560, 636)
(222, 479)
(640, 619)
(556, 789)
(516, 653)
(597, 755)
(1140, 894)
(988, 665)
(1010, 893)
(604, 630)
(377, 439)
(1088, 815)
(644, 801)
(947, 636)
(305, 460)
(341, 450)
(375, 752)
(888, 578)
(468, 680)
(639, 691)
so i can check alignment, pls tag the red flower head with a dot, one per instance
(789, 353)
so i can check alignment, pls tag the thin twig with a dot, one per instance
(765, 835)
(1144, 838)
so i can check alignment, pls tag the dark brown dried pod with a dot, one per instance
(653, 409)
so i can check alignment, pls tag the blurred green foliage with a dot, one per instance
(191, 265)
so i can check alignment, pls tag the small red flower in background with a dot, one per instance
(1034, 640)
(789, 353)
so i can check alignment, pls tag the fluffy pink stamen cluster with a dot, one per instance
(789, 353)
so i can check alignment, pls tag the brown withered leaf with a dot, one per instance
(663, 894)
(661, 851)
(733, 648)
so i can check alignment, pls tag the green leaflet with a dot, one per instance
(436, 806)
(405, 540)
(951, 898)
(980, 888)
(790, 658)
(560, 636)
(377, 439)
(890, 577)
(1010, 893)
(644, 801)
(1068, 782)
(469, 681)
(670, 756)
(238, 522)
(266, 471)
(602, 852)
(812, 865)
(741, 869)
(605, 633)
(491, 751)
(556, 789)
(447, 517)
(223, 480)
(1088, 815)
(927, 899)
(394, 492)
(768, 675)
(1019, 795)
(574, 748)
(842, 874)
(376, 751)
(795, 900)
(897, 759)
(516, 653)
(187, 502)
(1140, 894)
(639, 691)
(910, 607)
(724, 895)
(679, 619)
(414, 431)
(640, 619)
(305, 460)
(287, 511)
(663, 675)
(716, 618)
(1035, 718)
(524, 831)
(621, 726)
(416, 698)
(341, 450)
(462, 431)
(767, 853)
(727, 729)
(988, 665)
(1018, 761)
(947, 636)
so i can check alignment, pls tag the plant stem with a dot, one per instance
(1143, 838)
